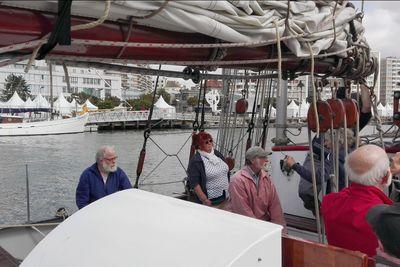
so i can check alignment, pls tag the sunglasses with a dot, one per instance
(209, 142)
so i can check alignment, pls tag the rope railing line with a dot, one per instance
(126, 44)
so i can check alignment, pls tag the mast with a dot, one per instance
(51, 90)
(281, 114)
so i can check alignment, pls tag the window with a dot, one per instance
(71, 79)
(64, 89)
(107, 83)
(107, 93)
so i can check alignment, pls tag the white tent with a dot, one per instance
(62, 106)
(15, 101)
(41, 102)
(273, 112)
(90, 106)
(304, 106)
(166, 111)
(292, 110)
(29, 104)
(389, 110)
(75, 106)
(381, 110)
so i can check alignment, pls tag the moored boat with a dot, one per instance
(48, 127)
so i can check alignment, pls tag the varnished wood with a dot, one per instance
(297, 252)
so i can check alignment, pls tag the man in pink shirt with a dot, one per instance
(252, 192)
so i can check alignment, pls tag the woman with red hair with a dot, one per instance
(208, 173)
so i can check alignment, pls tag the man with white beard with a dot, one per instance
(101, 179)
(344, 213)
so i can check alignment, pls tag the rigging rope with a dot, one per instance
(73, 28)
(146, 135)
(314, 91)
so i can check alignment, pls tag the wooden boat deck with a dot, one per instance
(6, 260)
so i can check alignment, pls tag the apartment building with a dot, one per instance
(94, 82)
(389, 79)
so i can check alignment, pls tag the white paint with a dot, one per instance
(62, 126)
(138, 228)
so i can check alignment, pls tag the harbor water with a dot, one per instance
(54, 163)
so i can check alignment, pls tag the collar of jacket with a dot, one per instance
(246, 172)
(95, 169)
(368, 191)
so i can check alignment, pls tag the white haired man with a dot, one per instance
(101, 179)
(345, 212)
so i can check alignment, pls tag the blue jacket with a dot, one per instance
(91, 186)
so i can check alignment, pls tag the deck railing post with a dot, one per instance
(28, 207)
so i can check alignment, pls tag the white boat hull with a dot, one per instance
(63, 126)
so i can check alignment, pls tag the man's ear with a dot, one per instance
(386, 177)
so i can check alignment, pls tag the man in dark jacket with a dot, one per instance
(101, 179)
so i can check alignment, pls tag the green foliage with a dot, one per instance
(15, 83)
(192, 101)
(271, 101)
(144, 102)
(108, 103)
(165, 95)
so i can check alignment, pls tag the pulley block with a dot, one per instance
(230, 161)
(325, 116)
(338, 112)
(241, 106)
(351, 108)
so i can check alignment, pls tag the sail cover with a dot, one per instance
(236, 21)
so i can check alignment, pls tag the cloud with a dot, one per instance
(382, 26)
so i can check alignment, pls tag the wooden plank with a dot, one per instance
(298, 252)
(6, 260)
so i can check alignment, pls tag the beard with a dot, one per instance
(107, 168)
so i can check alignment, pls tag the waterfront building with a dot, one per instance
(98, 83)
(389, 78)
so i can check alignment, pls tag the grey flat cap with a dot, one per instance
(256, 151)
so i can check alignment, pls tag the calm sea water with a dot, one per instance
(54, 164)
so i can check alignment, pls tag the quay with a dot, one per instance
(125, 120)
(122, 120)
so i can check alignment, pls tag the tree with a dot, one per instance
(165, 95)
(144, 102)
(108, 103)
(269, 101)
(15, 83)
(192, 101)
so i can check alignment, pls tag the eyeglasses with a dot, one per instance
(111, 159)
(209, 142)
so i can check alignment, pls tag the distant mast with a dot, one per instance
(51, 90)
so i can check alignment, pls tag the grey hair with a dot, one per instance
(351, 139)
(371, 177)
(101, 151)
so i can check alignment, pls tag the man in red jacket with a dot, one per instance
(344, 212)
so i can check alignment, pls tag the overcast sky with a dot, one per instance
(382, 26)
